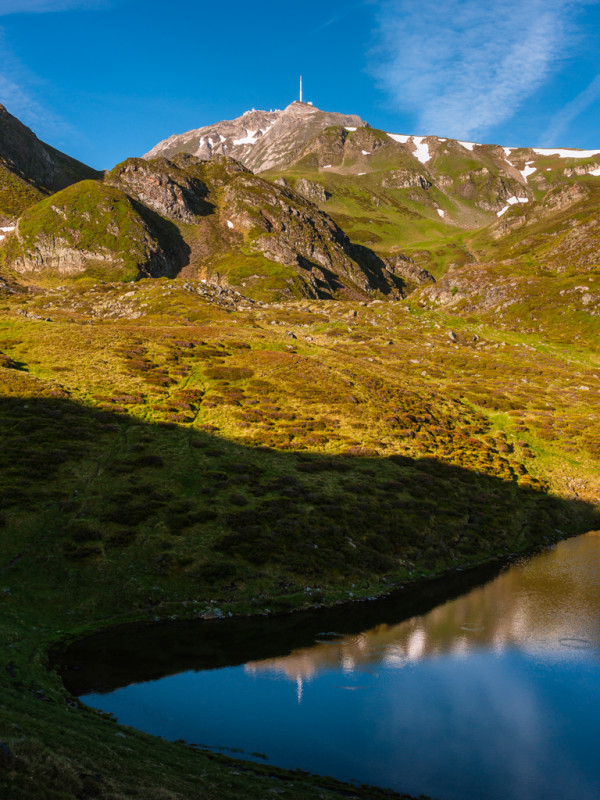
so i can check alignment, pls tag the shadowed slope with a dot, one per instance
(30, 169)
(108, 519)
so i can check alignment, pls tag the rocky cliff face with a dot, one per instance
(208, 218)
(162, 186)
(290, 230)
(410, 272)
(405, 179)
(309, 189)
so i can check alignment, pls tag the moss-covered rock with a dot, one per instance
(87, 228)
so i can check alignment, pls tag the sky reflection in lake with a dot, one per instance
(495, 694)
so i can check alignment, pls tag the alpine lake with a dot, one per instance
(483, 684)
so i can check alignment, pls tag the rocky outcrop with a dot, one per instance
(580, 170)
(487, 191)
(405, 179)
(311, 190)
(162, 186)
(58, 257)
(406, 268)
(564, 197)
(290, 230)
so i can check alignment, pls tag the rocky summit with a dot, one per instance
(259, 139)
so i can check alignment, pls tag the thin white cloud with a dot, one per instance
(45, 6)
(463, 66)
(23, 105)
(19, 88)
(560, 122)
(342, 14)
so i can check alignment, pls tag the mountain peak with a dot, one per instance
(301, 105)
(261, 140)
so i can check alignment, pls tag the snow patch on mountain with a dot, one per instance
(512, 201)
(399, 137)
(6, 230)
(249, 138)
(467, 145)
(422, 148)
(529, 170)
(422, 152)
(564, 153)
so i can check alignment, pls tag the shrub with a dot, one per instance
(122, 538)
(150, 461)
(228, 373)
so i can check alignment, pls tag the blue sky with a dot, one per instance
(106, 79)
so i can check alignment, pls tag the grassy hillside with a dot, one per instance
(87, 230)
(172, 449)
(537, 270)
(16, 195)
(444, 212)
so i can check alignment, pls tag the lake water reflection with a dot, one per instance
(493, 694)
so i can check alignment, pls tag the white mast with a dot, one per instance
(300, 88)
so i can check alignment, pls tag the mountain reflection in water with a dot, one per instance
(493, 694)
(546, 604)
